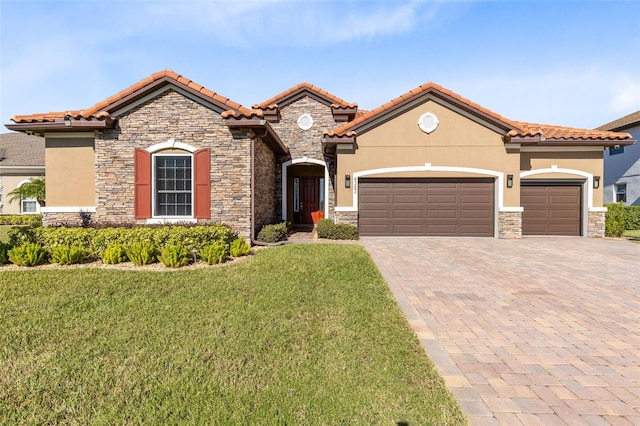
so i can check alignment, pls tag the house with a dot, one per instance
(429, 162)
(21, 159)
(622, 163)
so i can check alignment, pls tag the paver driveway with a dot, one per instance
(532, 331)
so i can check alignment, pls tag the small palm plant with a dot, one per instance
(35, 188)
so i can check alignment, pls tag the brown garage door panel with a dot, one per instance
(426, 207)
(551, 209)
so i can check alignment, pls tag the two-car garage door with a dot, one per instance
(429, 207)
(462, 207)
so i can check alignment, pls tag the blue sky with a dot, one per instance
(572, 63)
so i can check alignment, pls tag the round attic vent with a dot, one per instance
(305, 122)
(428, 122)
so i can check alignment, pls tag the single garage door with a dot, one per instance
(433, 207)
(550, 209)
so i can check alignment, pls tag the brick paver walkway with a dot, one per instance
(533, 331)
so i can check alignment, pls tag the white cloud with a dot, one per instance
(290, 23)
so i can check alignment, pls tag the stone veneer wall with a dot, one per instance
(265, 185)
(305, 143)
(67, 219)
(595, 226)
(509, 225)
(349, 218)
(173, 116)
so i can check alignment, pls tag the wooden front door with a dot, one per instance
(309, 199)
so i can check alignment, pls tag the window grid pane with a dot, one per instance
(29, 206)
(173, 186)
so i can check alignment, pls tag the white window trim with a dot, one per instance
(169, 219)
(171, 144)
(38, 210)
(615, 192)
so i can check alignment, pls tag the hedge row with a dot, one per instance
(21, 219)
(172, 256)
(94, 241)
(632, 221)
(620, 218)
(340, 231)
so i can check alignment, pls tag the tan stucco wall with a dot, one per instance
(457, 142)
(69, 164)
(9, 183)
(589, 162)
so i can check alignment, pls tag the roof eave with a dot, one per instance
(330, 143)
(536, 140)
(62, 125)
(268, 135)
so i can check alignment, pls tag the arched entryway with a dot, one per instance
(305, 190)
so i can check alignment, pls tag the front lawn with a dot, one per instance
(632, 234)
(299, 334)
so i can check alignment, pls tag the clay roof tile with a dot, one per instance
(517, 128)
(100, 110)
(300, 88)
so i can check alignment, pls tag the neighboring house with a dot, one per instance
(429, 162)
(21, 159)
(622, 163)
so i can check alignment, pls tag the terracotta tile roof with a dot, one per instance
(102, 110)
(300, 88)
(630, 120)
(19, 149)
(513, 128)
(405, 98)
(243, 114)
(549, 131)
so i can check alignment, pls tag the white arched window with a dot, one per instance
(28, 205)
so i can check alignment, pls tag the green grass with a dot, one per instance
(632, 234)
(4, 233)
(298, 334)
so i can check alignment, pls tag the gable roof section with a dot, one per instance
(628, 121)
(418, 95)
(102, 111)
(514, 131)
(20, 150)
(304, 89)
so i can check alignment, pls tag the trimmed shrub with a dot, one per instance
(4, 255)
(274, 233)
(27, 254)
(21, 219)
(66, 255)
(614, 224)
(96, 239)
(332, 231)
(114, 254)
(142, 253)
(174, 256)
(239, 248)
(215, 253)
(21, 234)
(632, 218)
